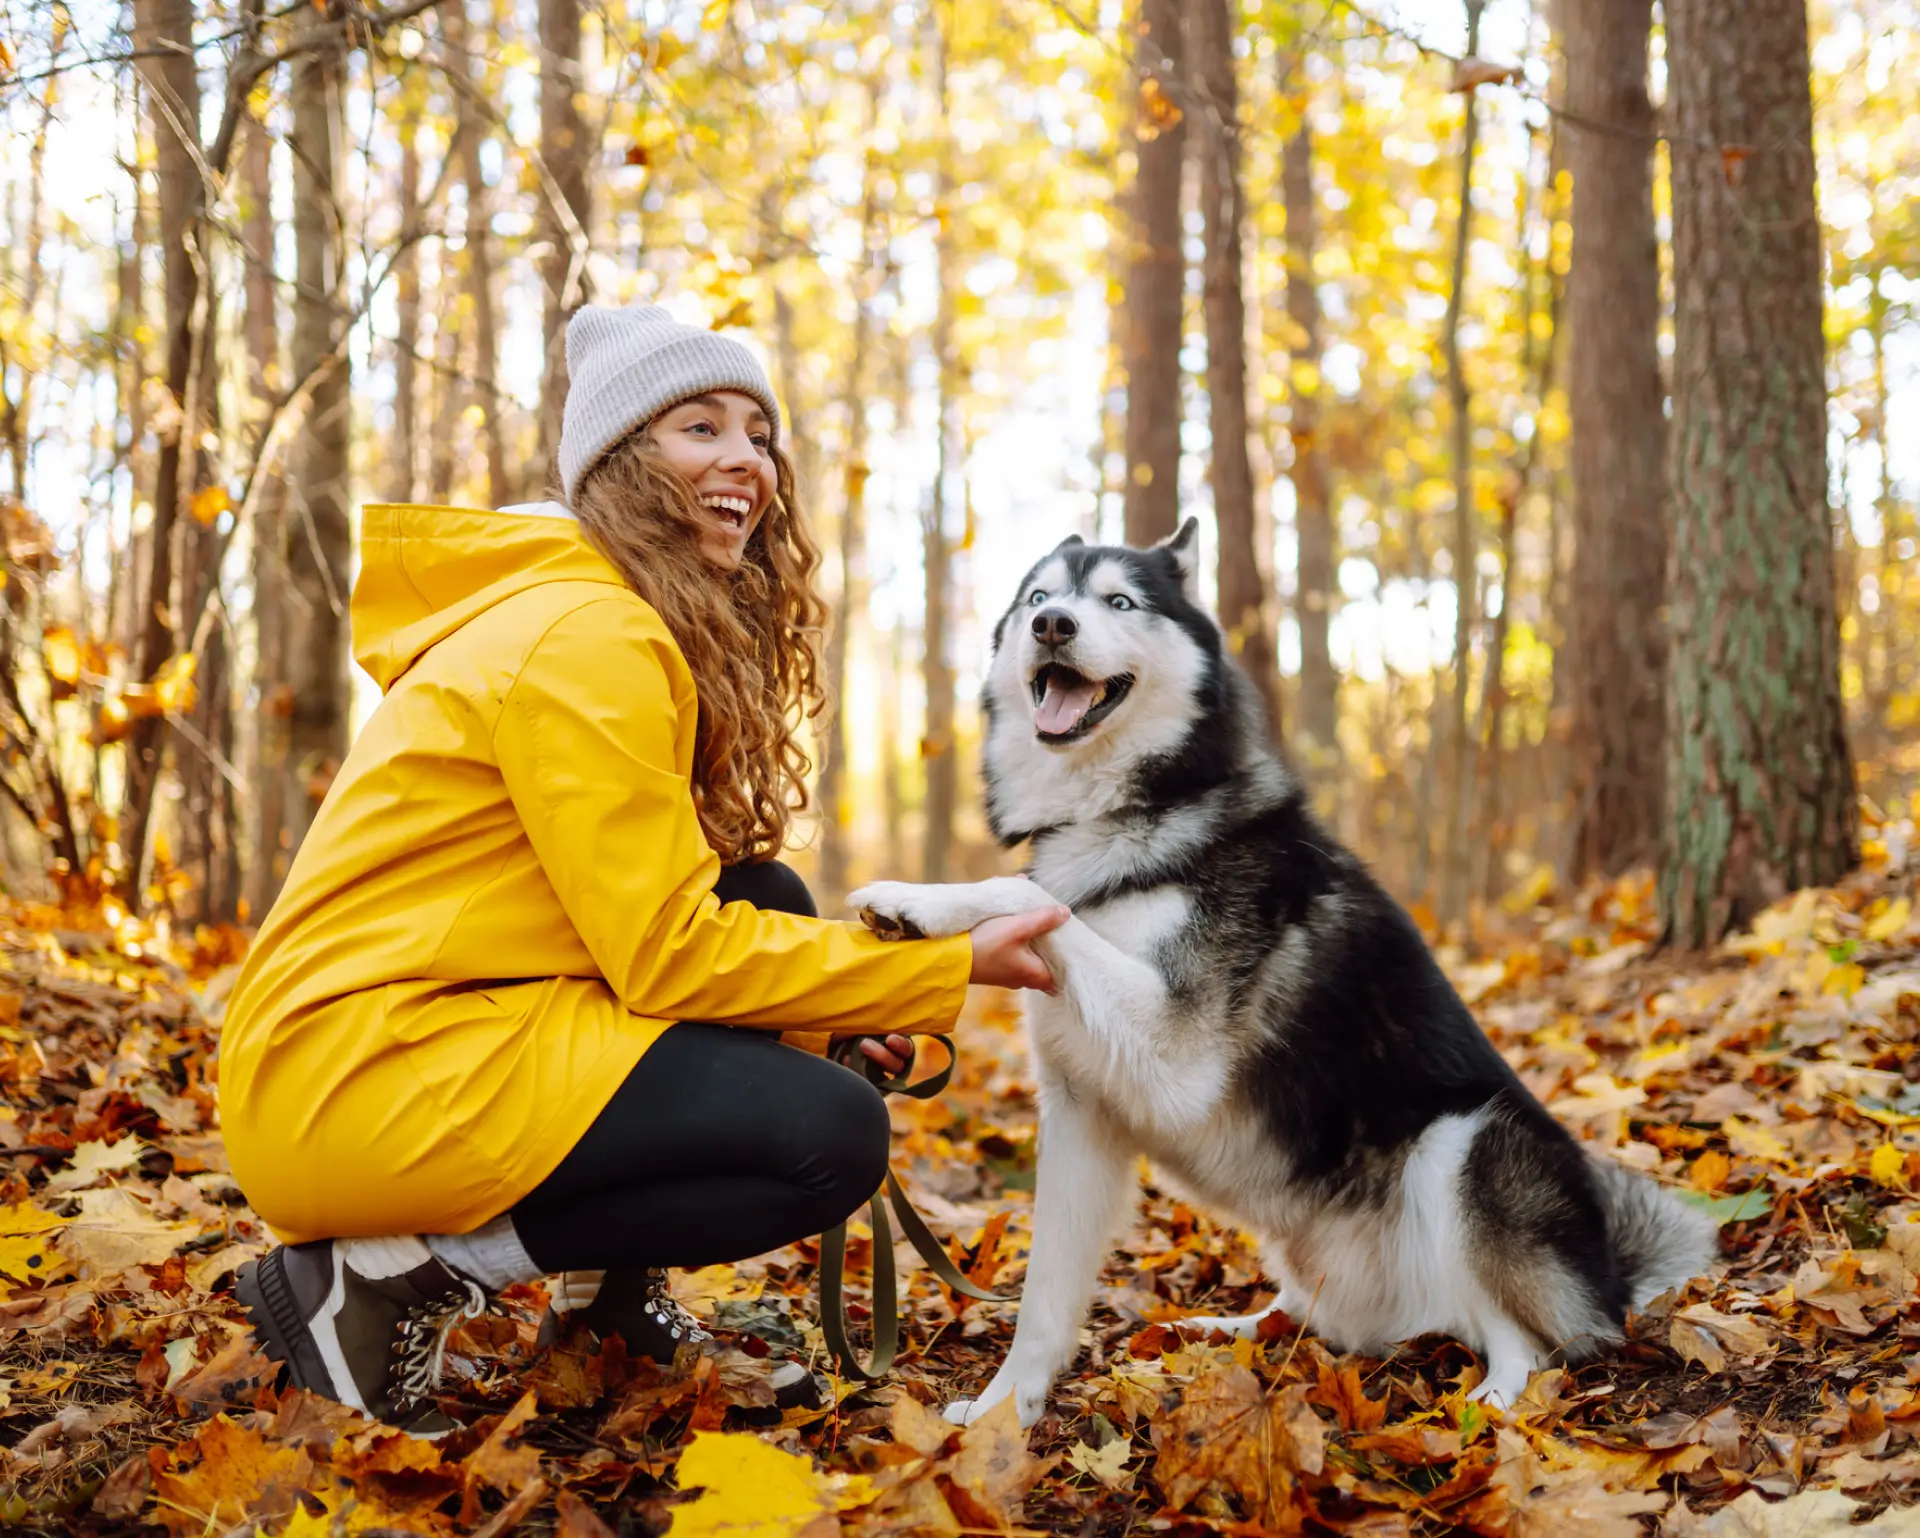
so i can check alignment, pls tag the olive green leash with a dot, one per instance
(833, 1243)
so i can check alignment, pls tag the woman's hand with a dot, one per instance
(894, 1054)
(1003, 953)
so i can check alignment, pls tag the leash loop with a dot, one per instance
(833, 1243)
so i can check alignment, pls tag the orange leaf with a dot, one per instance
(1341, 1393)
(240, 1475)
(501, 1462)
(577, 1518)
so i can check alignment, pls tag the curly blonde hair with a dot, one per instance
(750, 636)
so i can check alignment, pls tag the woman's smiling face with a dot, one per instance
(723, 443)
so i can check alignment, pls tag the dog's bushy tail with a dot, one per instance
(1660, 1241)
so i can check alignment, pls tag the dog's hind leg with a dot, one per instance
(1237, 1325)
(1086, 1177)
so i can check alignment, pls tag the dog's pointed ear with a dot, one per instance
(1184, 546)
(1068, 543)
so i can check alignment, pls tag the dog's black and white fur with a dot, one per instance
(1241, 1001)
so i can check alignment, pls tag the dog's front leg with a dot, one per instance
(914, 910)
(1086, 1177)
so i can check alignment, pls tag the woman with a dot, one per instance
(452, 1061)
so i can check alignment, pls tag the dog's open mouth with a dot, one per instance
(1067, 704)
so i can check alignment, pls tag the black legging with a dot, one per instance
(722, 1143)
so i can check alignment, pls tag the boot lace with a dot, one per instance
(662, 1308)
(422, 1347)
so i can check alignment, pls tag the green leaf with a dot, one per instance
(1739, 1208)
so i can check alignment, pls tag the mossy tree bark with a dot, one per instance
(1760, 795)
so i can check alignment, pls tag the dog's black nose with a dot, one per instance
(1054, 626)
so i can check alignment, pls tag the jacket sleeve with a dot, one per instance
(589, 743)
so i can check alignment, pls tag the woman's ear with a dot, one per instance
(1183, 545)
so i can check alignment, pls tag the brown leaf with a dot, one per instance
(1470, 73)
(577, 1518)
(235, 1376)
(925, 1431)
(123, 1492)
(501, 1462)
(1341, 1392)
(990, 1475)
(516, 1511)
(1226, 1433)
(239, 1474)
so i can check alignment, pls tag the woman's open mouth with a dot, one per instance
(732, 511)
(1068, 704)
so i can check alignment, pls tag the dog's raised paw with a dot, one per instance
(889, 926)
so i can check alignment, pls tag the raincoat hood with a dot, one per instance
(427, 571)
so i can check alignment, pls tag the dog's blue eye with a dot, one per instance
(1120, 601)
(1036, 598)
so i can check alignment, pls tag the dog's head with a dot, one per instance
(1103, 663)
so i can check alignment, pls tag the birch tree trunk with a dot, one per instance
(1245, 614)
(1155, 295)
(1760, 796)
(470, 134)
(405, 468)
(1616, 645)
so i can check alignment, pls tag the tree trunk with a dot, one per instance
(564, 146)
(1150, 344)
(1760, 796)
(124, 581)
(836, 815)
(1616, 648)
(1315, 743)
(470, 132)
(406, 356)
(164, 31)
(937, 748)
(1244, 612)
(267, 864)
(1454, 871)
(318, 535)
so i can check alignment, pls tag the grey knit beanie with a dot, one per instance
(625, 367)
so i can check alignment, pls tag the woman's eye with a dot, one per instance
(1036, 598)
(700, 427)
(1120, 601)
(762, 442)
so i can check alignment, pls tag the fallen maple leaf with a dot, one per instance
(239, 1474)
(502, 1462)
(1107, 1465)
(990, 1475)
(749, 1489)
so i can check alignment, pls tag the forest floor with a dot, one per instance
(1777, 1080)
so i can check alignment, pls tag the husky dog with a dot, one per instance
(1240, 1000)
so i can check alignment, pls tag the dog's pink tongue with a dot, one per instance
(1061, 708)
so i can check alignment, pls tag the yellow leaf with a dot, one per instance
(93, 1159)
(173, 688)
(208, 503)
(1888, 924)
(749, 1489)
(1888, 1164)
(61, 649)
(25, 1218)
(1107, 1465)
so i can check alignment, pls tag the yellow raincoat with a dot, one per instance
(506, 897)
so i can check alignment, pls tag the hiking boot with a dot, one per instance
(363, 1321)
(632, 1302)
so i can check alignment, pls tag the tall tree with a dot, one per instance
(267, 866)
(1616, 645)
(164, 31)
(1314, 742)
(1455, 868)
(564, 151)
(319, 539)
(405, 469)
(1760, 796)
(938, 748)
(835, 813)
(1156, 282)
(1244, 611)
(470, 134)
